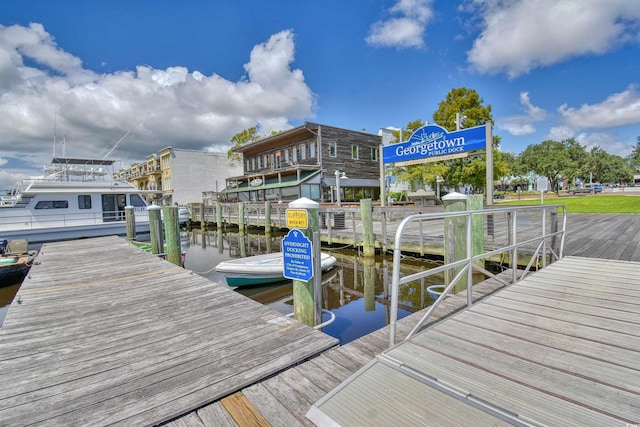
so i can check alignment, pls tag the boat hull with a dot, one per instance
(262, 269)
(55, 234)
(14, 267)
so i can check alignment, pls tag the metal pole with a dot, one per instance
(489, 164)
(338, 187)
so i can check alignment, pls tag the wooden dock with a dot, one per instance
(286, 398)
(597, 335)
(104, 333)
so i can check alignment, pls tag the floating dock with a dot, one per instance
(103, 333)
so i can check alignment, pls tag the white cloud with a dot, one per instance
(560, 133)
(606, 141)
(523, 124)
(619, 109)
(520, 35)
(404, 30)
(42, 85)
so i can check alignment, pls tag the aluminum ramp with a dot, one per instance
(558, 348)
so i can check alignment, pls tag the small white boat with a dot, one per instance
(262, 269)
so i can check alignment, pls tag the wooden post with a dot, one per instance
(383, 220)
(172, 233)
(304, 293)
(268, 239)
(220, 240)
(368, 239)
(242, 243)
(267, 217)
(369, 283)
(456, 233)
(474, 203)
(203, 216)
(156, 235)
(455, 237)
(130, 217)
(219, 216)
(241, 217)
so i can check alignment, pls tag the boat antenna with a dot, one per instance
(117, 144)
(55, 131)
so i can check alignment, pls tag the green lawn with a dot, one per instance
(600, 203)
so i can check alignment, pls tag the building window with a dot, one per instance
(374, 153)
(354, 151)
(165, 163)
(303, 152)
(332, 149)
(259, 164)
(286, 156)
(167, 184)
(253, 164)
(52, 204)
(294, 154)
(312, 150)
(265, 159)
(84, 201)
(137, 201)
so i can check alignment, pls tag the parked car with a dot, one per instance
(587, 188)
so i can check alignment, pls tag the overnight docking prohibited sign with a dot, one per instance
(433, 142)
(297, 252)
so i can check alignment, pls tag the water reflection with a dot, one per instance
(357, 290)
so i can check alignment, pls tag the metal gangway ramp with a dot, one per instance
(558, 347)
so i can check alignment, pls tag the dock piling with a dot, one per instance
(172, 233)
(130, 217)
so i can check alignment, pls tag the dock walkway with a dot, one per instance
(559, 347)
(104, 333)
(285, 399)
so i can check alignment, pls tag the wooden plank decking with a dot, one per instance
(286, 398)
(103, 333)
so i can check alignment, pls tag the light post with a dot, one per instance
(339, 175)
(439, 180)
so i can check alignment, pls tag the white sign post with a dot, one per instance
(543, 185)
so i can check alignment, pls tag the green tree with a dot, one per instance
(465, 102)
(457, 172)
(606, 167)
(634, 158)
(240, 138)
(469, 104)
(551, 159)
(578, 155)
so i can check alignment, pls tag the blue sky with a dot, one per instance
(191, 74)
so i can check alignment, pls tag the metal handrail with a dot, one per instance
(467, 264)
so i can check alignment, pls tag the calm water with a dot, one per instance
(357, 291)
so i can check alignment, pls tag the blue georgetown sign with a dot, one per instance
(297, 252)
(432, 142)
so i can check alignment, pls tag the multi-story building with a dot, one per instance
(306, 161)
(181, 176)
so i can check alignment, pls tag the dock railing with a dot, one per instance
(531, 231)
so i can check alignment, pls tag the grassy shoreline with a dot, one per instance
(598, 203)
